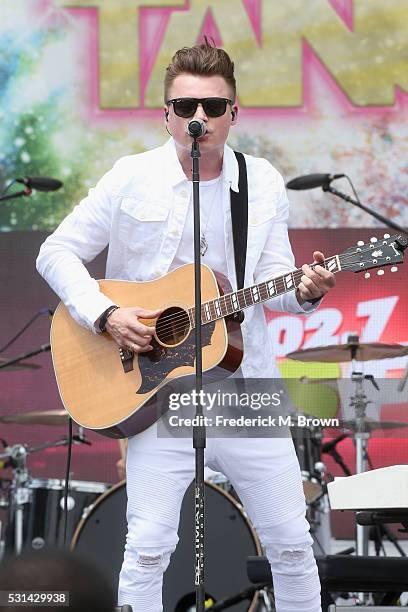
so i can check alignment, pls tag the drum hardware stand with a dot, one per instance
(381, 530)
(247, 593)
(361, 436)
(268, 599)
(359, 401)
(320, 514)
(2, 542)
(17, 455)
(20, 494)
(3, 501)
(80, 437)
(4, 504)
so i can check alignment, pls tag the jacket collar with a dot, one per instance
(230, 168)
(230, 171)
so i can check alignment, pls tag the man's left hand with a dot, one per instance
(316, 282)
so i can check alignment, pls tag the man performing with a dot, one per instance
(142, 209)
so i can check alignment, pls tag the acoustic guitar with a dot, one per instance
(112, 391)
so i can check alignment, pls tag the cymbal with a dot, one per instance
(21, 365)
(307, 381)
(37, 417)
(368, 425)
(342, 352)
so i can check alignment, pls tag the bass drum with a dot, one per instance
(229, 537)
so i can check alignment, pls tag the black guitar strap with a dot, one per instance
(239, 217)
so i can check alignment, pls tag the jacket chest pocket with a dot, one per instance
(263, 212)
(142, 224)
(260, 224)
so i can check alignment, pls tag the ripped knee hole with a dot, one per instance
(293, 556)
(149, 560)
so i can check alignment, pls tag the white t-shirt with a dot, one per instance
(212, 228)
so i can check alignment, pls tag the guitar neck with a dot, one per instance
(230, 303)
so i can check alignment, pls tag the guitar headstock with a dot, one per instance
(387, 251)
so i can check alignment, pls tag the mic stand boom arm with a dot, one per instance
(347, 198)
(43, 349)
(18, 194)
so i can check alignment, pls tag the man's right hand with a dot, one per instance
(128, 332)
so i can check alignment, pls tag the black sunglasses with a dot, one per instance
(186, 107)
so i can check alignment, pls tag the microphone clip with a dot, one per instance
(196, 128)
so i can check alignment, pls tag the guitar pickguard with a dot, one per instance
(155, 365)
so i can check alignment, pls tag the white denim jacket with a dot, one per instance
(139, 208)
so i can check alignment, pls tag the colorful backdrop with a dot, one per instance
(322, 87)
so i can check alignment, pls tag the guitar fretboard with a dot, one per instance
(230, 303)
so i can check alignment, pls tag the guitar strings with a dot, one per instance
(294, 272)
(175, 326)
(174, 323)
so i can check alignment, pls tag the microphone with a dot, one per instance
(40, 183)
(310, 181)
(47, 311)
(196, 128)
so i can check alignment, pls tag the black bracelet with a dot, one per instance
(103, 319)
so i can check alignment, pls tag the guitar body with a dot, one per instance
(114, 392)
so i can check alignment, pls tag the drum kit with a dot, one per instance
(34, 507)
(97, 523)
(360, 427)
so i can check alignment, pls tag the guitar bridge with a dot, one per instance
(126, 357)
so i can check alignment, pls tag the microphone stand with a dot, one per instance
(330, 449)
(199, 433)
(25, 192)
(43, 349)
(357, 203)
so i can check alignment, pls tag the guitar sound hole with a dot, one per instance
(173, 326)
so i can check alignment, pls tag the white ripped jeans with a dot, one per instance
(264, 472)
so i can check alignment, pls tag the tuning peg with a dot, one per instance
(394, 269)
(380, 272)
(360, 243)
(386, 236)
(367, 275)
(373, 239)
